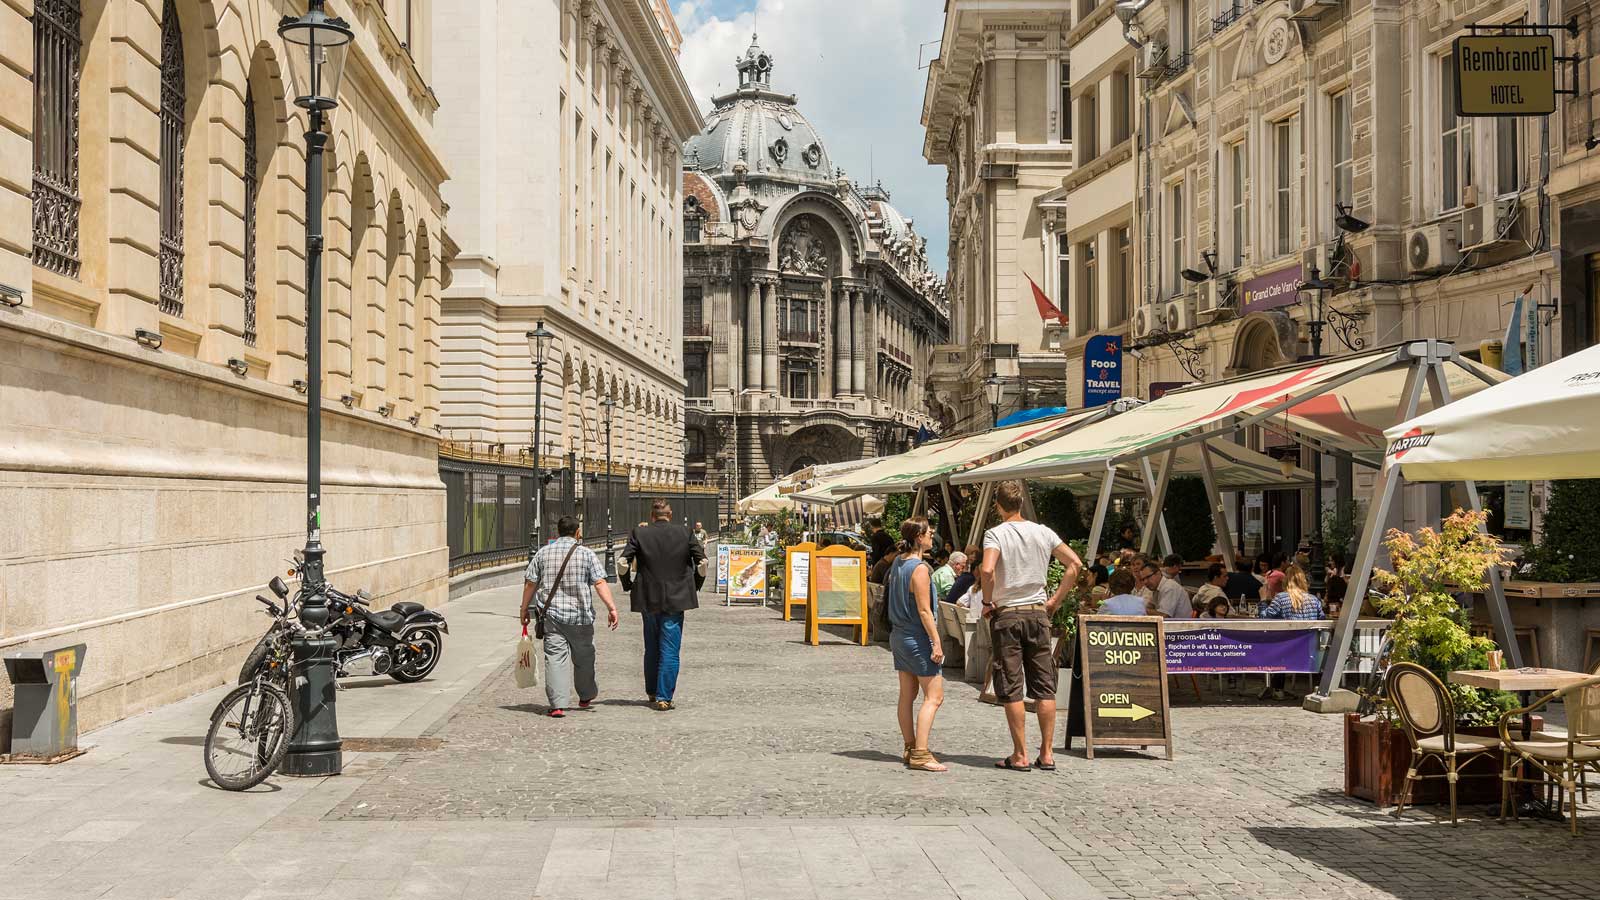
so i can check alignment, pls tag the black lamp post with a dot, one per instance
(994, 388)
(538, 345)
(316, 56)
(684, 478)
(608, 406)
(1315, 286)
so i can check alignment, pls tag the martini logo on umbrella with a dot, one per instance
(1409, 441)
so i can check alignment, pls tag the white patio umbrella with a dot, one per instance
(1540, 425)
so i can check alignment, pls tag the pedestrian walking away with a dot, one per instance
(571, 575)
(1016, 561)
(914, 638)
(667, 582)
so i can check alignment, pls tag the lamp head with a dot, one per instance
(1346, 222)
(994, 389)
(318, 47)
(539, 341)
(1316, 282)
(1194, 276)
(1128, 10)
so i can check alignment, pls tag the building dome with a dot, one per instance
(760, 127)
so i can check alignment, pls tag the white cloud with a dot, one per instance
(853, 64)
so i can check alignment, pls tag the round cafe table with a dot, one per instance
(1524, 682)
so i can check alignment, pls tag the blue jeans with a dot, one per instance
(663, 636)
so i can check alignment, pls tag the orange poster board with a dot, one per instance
(838, 594)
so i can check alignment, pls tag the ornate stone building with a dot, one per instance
(152, 339)
(997, 114)
(566, 207)
(809, 312)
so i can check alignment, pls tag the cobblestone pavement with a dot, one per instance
(769, 727)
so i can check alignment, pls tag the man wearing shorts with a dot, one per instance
(1016, 559)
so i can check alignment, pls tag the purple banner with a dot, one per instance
(1224, 650)
(1271, 290)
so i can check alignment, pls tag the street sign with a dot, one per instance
(1124, 678)
(1505, 75)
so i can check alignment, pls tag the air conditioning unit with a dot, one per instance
(996, 171)
(1324, 258)
(1490, 224)
(1180, 313)
(1434, 248)
(1311, 10)
(1216, 300)
(1154, 59)
(1149, 319)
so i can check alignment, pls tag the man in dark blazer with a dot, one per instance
(666, 583)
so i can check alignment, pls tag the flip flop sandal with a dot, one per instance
(557, 714)
(1008, 764)
(1044, 767)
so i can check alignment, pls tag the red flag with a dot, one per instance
(1047, 310)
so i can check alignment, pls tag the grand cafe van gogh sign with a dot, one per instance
(1271, 290)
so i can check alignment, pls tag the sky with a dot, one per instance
(854, 66)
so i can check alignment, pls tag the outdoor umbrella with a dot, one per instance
(1540, 425)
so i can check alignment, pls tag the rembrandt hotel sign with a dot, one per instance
(1505, 75)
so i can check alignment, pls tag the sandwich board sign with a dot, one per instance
(797, 576)
(1122, 669)
(838, 591)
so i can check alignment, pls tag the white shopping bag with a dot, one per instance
(529, 661)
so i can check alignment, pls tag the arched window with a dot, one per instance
(250, 192)
(56, 56)
(171, 161)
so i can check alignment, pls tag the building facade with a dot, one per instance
(566, 206)
(998, 115)
(809, 313)
(152, 342)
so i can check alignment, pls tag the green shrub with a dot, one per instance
(1189, 522)
(1566, 549)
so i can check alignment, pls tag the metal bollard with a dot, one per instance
(44, 723)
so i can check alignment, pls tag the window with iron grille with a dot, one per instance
(251, 189)
(56, 56)
(171, 161)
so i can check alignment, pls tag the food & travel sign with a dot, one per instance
(1505, 75)
(1124, 678)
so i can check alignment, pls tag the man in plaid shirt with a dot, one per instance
(568, 610)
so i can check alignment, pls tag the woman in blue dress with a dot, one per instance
(915, 641)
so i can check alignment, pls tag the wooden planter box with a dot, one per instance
(1552, 589)
(1377, 755)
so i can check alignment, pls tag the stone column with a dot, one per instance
(769, 341)
(841, 341)
(858, 350)
(752, 337)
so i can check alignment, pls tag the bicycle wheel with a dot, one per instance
(249, 735)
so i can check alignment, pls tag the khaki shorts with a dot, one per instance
(1023, 658)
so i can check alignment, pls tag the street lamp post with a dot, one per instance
(608, 405)
(995, 389)
(316, 56)
(1315, 286)
(538, 343)
(684, 482)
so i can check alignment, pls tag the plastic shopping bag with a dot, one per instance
(529, 659)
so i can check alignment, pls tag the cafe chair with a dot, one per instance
(1562, 760)
(1428, 716)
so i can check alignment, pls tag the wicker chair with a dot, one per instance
(1564, 760)
(1428, 716)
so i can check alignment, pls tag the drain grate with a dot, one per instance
(391, 745)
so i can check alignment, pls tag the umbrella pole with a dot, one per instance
(1219, 521)
(1505, 631)
(1107, 483)
(1155, 523)
(980, 510)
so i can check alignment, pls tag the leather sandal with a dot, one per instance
(923, 760)
(906, 756)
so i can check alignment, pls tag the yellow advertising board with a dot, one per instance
(1505, 74)
(797, 576)
(747, 574)
(838, 583)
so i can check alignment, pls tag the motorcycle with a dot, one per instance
(404, 641)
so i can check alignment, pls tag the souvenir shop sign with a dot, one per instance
(1124, 682)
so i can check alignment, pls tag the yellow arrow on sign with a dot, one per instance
(1134, 712)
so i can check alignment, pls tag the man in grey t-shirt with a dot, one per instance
(1016, 561)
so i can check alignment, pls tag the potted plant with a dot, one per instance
(1431, 629)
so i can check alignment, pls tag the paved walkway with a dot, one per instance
(777, 777)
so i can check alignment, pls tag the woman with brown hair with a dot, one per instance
(915, 642)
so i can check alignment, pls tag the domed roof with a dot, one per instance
(761, 127)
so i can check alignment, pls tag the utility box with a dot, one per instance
(44, 724)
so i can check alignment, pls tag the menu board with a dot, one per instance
(797, 576)
(838, 580)
(1232, 650)
(747, 574)
(1124, 677)
(722, 566)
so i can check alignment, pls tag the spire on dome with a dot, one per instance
(755, 66)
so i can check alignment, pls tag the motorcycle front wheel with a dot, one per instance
(419, 662)
(249, 735)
